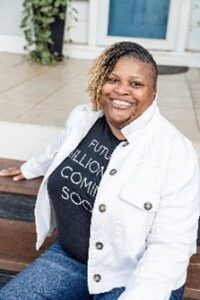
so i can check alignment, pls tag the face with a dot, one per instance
(127, 92)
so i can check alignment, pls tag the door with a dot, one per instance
(152, 23)
(138, 18)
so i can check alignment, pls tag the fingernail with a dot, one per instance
(14, 179)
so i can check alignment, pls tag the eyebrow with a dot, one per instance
(133, 77)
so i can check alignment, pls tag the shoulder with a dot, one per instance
(81, 109)
(80, 113)
(82, 116)
(181, 147)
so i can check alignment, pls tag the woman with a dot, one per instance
(121, 184)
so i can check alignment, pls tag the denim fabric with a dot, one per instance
(111, 295)
(53, 276)
(56, 276)
(177, 294)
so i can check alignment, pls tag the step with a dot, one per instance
(17, 229)
(22, 141)
(5, 276)
(17, 207)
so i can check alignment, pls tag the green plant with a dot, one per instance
(37, 17)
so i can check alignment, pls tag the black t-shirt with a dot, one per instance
(73, 187)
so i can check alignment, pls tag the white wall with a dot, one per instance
(193, 42)
(78, 30)
(10, 17)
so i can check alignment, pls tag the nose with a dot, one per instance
(122, 89)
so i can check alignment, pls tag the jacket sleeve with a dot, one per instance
(172, 239)
(37, 166)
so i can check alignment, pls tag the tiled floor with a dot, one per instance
(42, 95)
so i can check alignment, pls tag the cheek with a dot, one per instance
(103, 100)
(106, 89)
(147, 97)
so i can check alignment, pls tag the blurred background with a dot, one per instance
(36, 98)
(170, 28)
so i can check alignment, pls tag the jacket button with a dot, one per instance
(125, 143)
(148, 205)
(97, 277)
(99, 246)
(113, 172)
(102, 207)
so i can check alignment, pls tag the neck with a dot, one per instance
(116, 132)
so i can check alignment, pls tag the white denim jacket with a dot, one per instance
(148, 224)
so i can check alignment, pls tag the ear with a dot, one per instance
(155, 91)
(155, 95)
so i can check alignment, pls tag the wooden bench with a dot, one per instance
(17, 231)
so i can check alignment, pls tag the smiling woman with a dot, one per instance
(122, 191)
(125, 85)
(127, 92)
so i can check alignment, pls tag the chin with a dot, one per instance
(121, 122)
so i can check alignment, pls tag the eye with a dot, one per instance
(136, 84)
(112, 80)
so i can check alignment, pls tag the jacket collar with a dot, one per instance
(141, 122)
(134, 128)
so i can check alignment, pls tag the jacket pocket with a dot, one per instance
(136, 213)
(140, 198)
(147, 176)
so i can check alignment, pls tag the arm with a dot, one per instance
(172, 239)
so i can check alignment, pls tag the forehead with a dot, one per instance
(133, 67)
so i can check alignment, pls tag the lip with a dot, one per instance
(122, 103)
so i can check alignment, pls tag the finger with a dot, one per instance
(19, 177)
(10, 172)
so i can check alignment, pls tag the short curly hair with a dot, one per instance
(105, 63)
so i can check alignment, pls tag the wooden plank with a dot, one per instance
(5, 277)
(25, 187)
(192, 289)
(17, 247)
(195, 259)
(17, 207)
(191, 294)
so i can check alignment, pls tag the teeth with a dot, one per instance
(121, 103)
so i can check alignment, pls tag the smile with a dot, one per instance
(121, 104)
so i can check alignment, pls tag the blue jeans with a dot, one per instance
(56, 276)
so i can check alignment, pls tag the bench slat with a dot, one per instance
(5, 277)
(24, 187)
(17, 207)
(18, 247)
